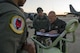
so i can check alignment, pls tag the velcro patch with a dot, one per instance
(17, 24)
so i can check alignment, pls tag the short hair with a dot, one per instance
(52, 12)
(39, 9)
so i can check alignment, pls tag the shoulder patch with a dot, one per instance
(17, 24)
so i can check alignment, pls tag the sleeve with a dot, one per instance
(10, 39)
(62, 27)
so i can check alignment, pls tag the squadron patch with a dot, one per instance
(17, 24)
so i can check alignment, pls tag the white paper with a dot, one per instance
(46, 34)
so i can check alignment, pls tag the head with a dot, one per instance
(16, 2)
(19, 2)
(40, 11)
(52, 16)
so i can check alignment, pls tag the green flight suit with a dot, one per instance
(12, 30)
(41, 23)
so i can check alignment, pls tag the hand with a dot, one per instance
(42, 30)
(29, 47)
(53, 32)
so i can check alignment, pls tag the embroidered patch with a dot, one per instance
(17, 24)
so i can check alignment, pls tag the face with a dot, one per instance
(52, 17)
(21, 2)
(40, 13)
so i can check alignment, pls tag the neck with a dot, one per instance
(53, 20)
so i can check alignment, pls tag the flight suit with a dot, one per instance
(12, 28)
(40, 23)
(58, 25)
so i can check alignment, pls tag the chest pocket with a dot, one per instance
(54, 27)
